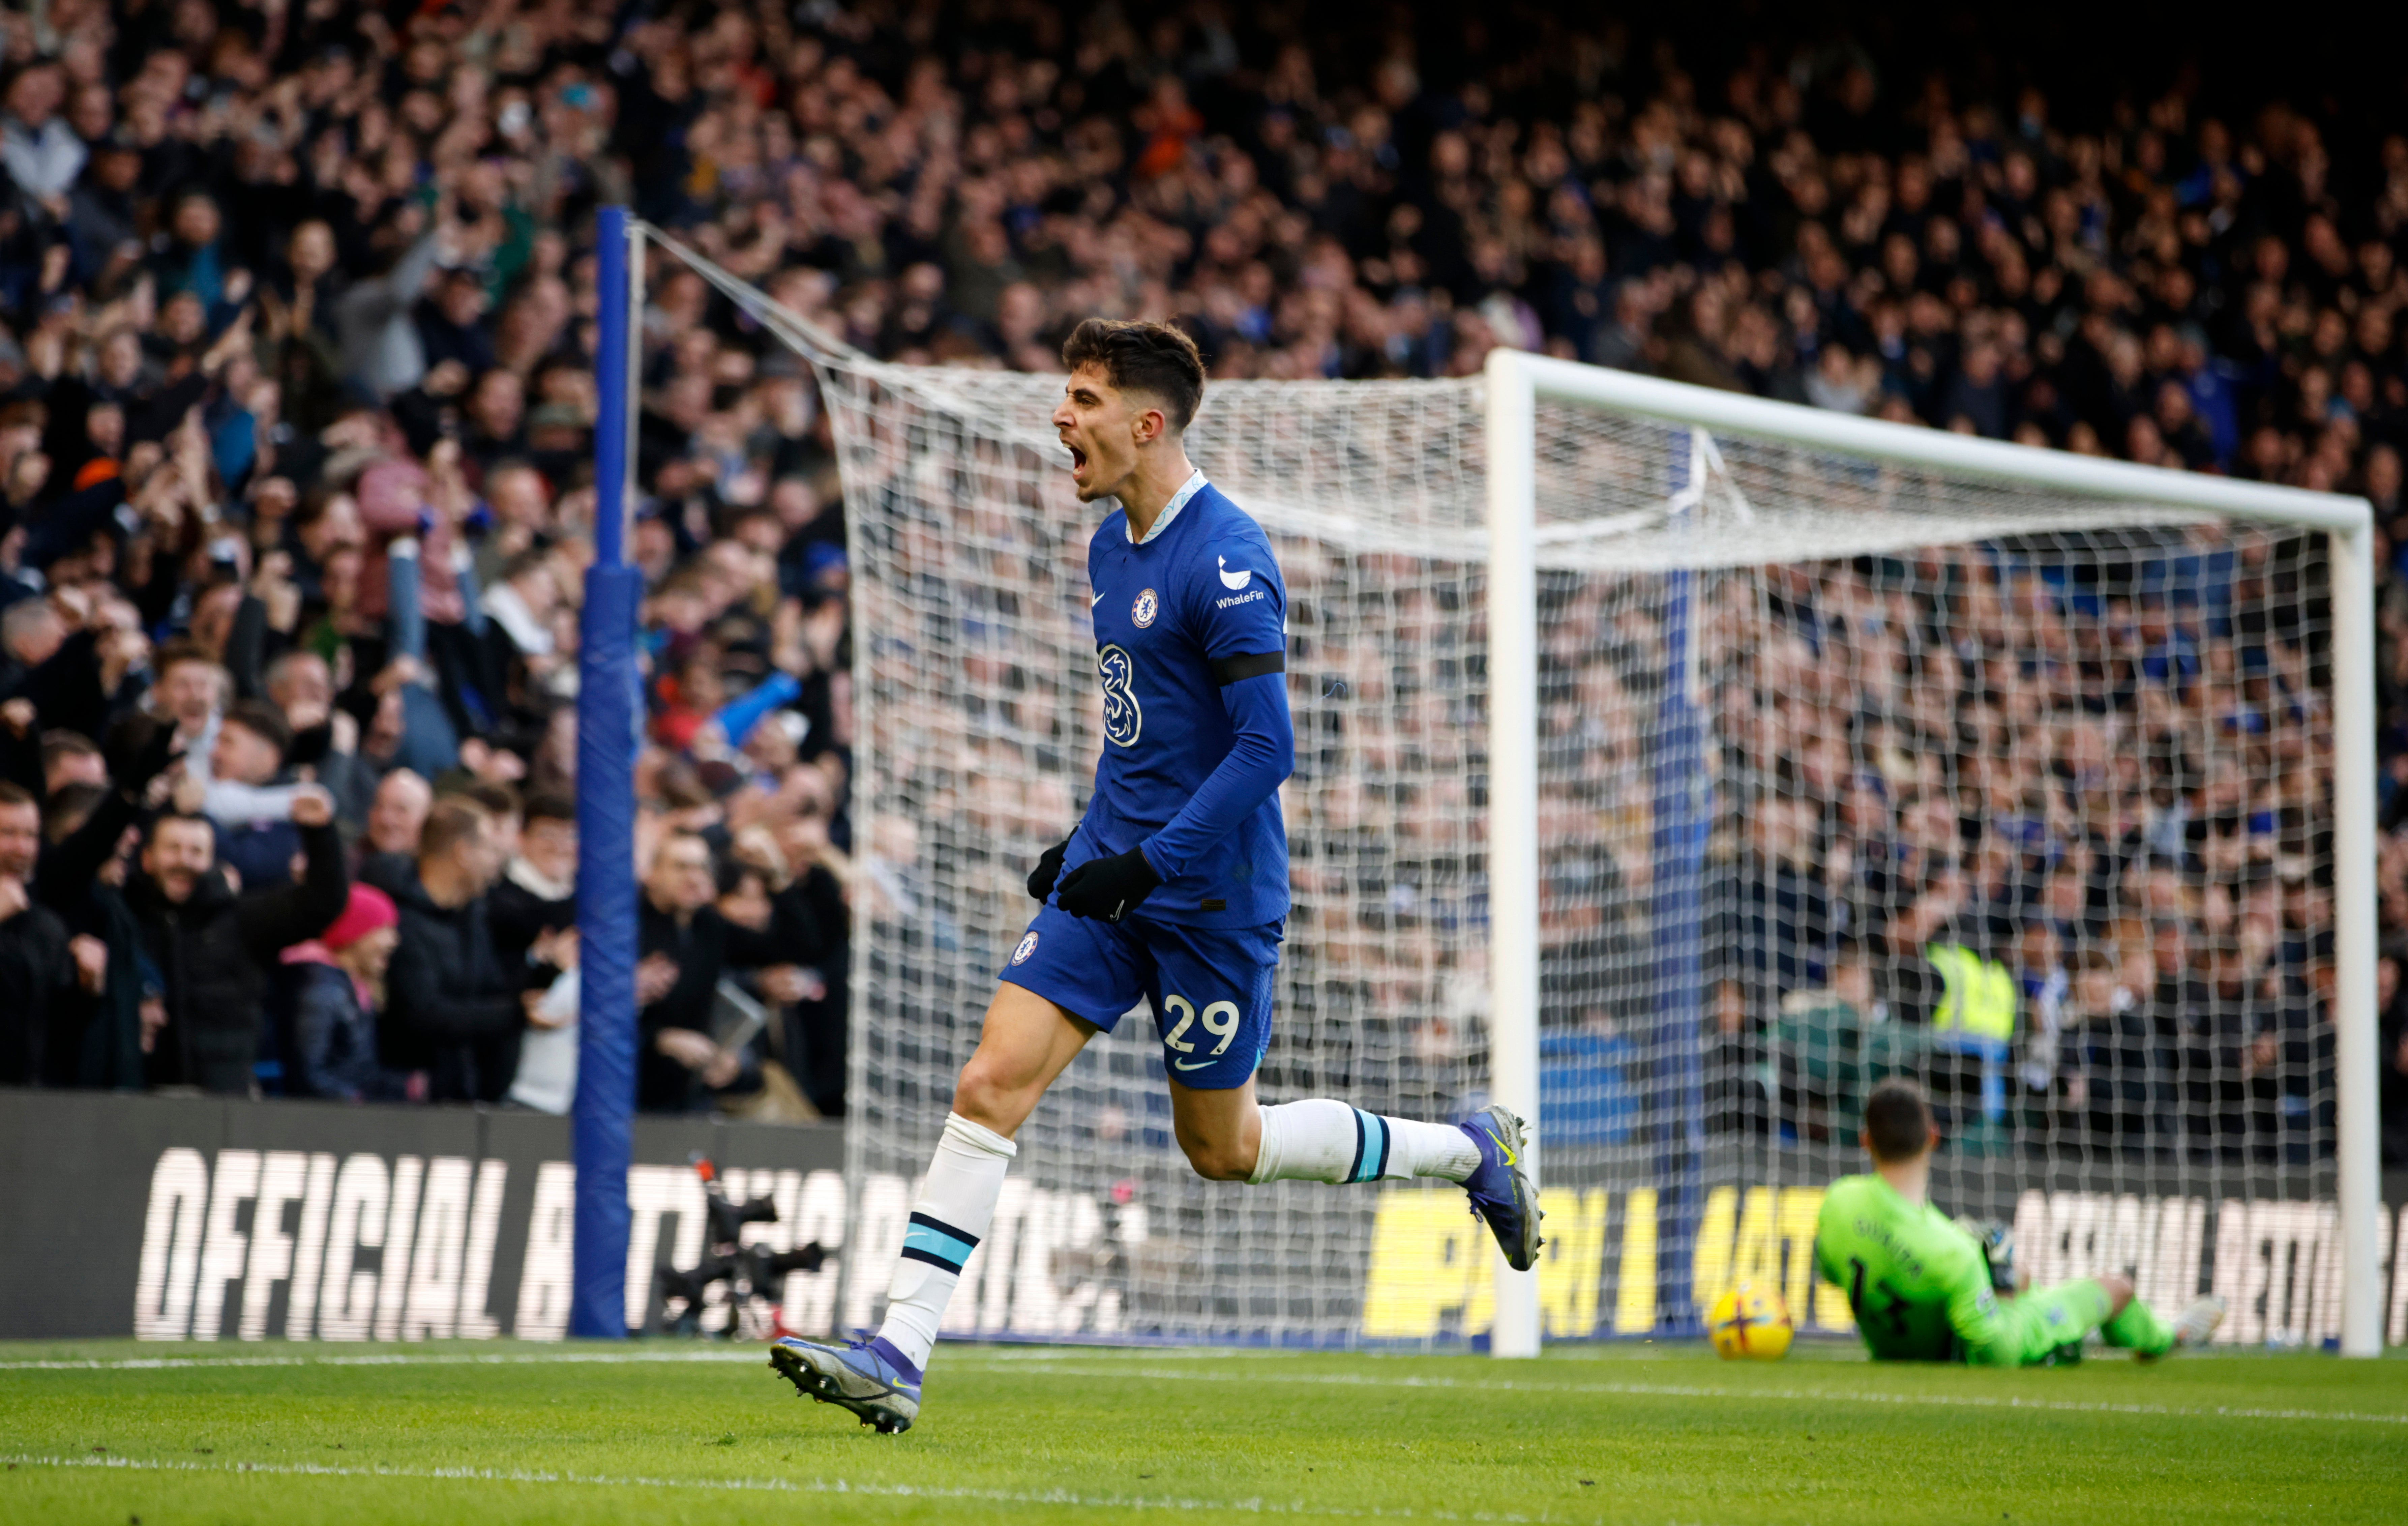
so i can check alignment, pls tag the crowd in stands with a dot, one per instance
(296, 412)
(2043, 824)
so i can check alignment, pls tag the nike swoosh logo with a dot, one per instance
(1092, 602)
(1187, 1065)
(1233, 581)
(1503, 1148)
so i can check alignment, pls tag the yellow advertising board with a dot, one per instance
(1433, 1265)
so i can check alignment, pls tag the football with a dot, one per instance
(1749, 1322)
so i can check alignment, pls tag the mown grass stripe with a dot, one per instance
(1046, 1499)
(1678, 1391)
(1066, 1365)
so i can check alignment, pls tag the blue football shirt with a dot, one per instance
(1190, 650)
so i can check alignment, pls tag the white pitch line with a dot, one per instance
(1004, 1359)
(537, 1358)
(397, 1359)
(1051, 1498)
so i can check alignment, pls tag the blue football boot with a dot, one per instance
(1500, 1190)
(869, 1377)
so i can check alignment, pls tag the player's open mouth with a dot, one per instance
(1078, 459)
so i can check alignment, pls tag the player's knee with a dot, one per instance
(1217, 1159)
(2118, 1288)
(985, 1095)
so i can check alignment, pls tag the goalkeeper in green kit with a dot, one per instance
(1925, 1289)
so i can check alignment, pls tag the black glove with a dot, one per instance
(1108, 888)
(1047, 869)
(1998, 1241)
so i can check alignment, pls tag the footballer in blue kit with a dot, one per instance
(1172, 889)
(1190, 653)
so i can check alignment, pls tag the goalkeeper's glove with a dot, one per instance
(1997, 1242)
(1047, 869)
(1108, 889)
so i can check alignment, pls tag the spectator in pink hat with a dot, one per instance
(326, 1006)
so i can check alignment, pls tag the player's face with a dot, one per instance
(1102, 426)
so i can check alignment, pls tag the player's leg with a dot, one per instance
(2132, 1324)
(1229, 1137)
(2052, 1322)
(1024, 1043)
(1067, 980)
(1319, 1140)
(2141, 1330)
(1212, 991)
(2048, 1324)
(1218, 1130)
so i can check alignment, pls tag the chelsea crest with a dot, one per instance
(1148, 605)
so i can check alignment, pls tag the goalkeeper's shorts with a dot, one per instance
(1210, 987)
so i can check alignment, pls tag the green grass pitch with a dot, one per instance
(118, 1432)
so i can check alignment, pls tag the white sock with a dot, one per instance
(956, 1204)
(1324, 1141)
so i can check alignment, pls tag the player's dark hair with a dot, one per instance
(1142, 355)
(1897, 1121)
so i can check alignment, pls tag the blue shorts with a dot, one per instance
(1210, 988)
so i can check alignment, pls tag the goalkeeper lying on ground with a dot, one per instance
(1924, 1289)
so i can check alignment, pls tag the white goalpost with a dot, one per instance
(1514, 805)
(1670, 766)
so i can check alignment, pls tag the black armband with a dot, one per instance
(1228, 670)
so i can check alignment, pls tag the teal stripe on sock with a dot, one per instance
(952, 1248)
(1375, 1146)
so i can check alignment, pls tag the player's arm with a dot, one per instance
(1260, 759)
(1973, 1310)
(1245, 643)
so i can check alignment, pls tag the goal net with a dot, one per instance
(1844, 769)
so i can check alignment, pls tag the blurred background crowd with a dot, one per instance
(296, 327)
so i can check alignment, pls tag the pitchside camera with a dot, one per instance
(746, 1283)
